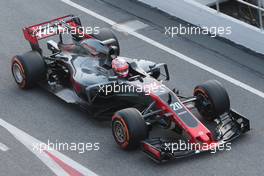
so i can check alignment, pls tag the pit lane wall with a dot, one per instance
(198, 14)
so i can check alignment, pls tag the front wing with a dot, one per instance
(229, 127)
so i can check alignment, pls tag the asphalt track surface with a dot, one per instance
(47, 118)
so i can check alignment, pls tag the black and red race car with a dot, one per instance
(80, 73)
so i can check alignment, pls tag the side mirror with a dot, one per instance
(160, 72)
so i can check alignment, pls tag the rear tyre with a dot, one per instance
(105, 34)
(129, 128)
(212, 99)
(28, 69)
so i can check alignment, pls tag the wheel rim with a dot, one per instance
(120, 132)
(203, 105)
(18, 75)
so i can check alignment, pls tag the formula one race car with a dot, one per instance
(89, 72)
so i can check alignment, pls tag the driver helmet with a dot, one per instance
(120, 67)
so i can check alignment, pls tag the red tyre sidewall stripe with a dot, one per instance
(119, 118)
(202, 91)
(21, 69)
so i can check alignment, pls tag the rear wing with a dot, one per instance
(66, 24)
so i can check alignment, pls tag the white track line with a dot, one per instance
(30, 141)
(167, 49)
(3, 147)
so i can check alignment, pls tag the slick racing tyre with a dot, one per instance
(28, 69)
(129, 128)
(105, 34)
(212, 99)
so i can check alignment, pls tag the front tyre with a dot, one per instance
(129, 128)
(28, 69)
(212, 99)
